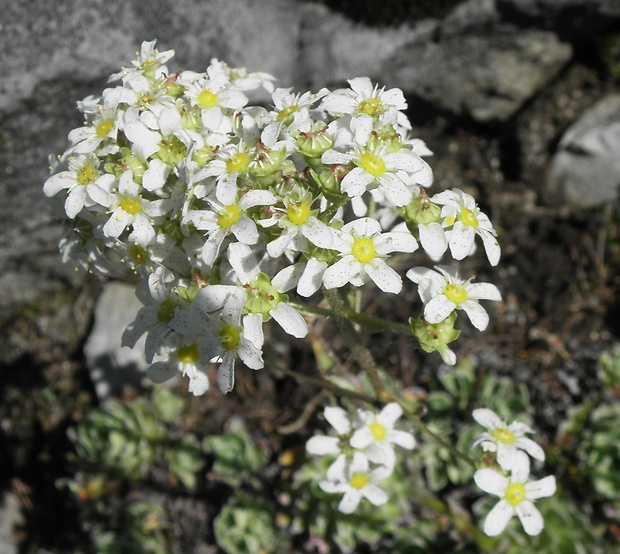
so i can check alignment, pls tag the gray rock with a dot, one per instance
(112, 366)
(10, 517)
(484, 77)
(585, 171)
(573, 19)
(470, 16)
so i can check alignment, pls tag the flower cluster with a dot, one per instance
(511, 480)
(219, 209)
(364, 453)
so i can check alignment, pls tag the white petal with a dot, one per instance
(356, 181)
(530, 517)
(491, 481)
(477, 314)
(250, 355)
(395, 242)
(155, 176)
(487, 418)
(318, 233)
(338, 419)
(341, 272)
(507, 456)
(198, 383)
(350, 501)
(253, 329)
(375, 495)
(384, 276)
(321, 445)
(541, 488)
(438, 309)
(226, 374)
(245, 230)
(461, 240)
(390, 414)
(433, 240)
(484, 291)
(531, 447)
(402, 438)
(312, 277)
(498, 518)
(160, 372)
(492, 248)
(290, 320)
(361, 438)
(287, 278)
(243, 262)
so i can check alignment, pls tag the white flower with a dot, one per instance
(80, 179)
(517, 494)
(223, 220)
(353, 478)
(320, 445)
(465, 219)
(505, 439)
(263, 297)
(443, 291)
(363, 248)
(376, 434)
(395, 173)
(128, 207)
(364, 99)
(184, 359)
(220, 333)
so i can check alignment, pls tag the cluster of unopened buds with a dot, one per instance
(219, 209)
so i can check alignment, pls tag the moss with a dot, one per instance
(609, 53)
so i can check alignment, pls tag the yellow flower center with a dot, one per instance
(378, 431)
(87, 174)
(504, 436)
(165, 312)
(131, 206)
(373, 164)
(515, 493)
(229, 216)
(206, 99)
(230, 337)
(287, 112)
(455, 293)
(363, 250)
(298, 214)
(237, 162)
(104, 128)
(468, 217)
(371, 107)
(139, 254)
(188, 354)
(359, 480)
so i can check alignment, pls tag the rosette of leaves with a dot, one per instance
(124, 441)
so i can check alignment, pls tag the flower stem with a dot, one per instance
(354, 341)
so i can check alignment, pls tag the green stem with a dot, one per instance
(354, 341)
(364, 320)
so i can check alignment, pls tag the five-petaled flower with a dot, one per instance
(517, 494)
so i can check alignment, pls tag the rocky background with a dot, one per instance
(518, 99)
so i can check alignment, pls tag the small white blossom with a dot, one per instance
(443, 291)
(517, 495)
(363, 249)
(354, 478)
(465, 220)
(505, 439)
(376, 434)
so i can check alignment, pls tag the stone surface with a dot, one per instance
(111, 365)
(585, 171)
(485, 77)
